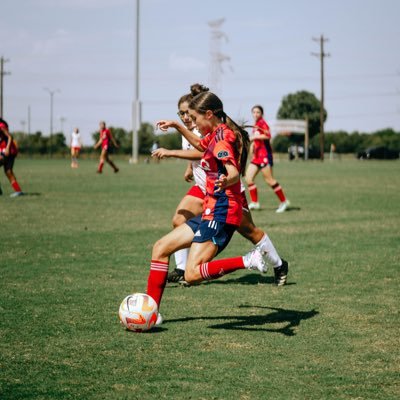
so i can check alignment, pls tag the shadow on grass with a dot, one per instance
(292, 318)
(248, 279)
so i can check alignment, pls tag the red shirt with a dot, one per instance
(261, 148)
(105, 136)
(4, 142)
(219, 148)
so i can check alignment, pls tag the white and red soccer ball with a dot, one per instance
(138, 312)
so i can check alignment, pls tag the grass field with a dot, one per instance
(78, 243)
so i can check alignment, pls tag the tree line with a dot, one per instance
(301, 105)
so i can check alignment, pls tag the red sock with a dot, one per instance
(216, 269)
(253, 193)
(100, 168)
(15, 186)
(279, 192)
(157, 280)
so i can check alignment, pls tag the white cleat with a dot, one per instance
(16, 194)
(254, 260)
(160, 320)
(283, 206)
(254, 206)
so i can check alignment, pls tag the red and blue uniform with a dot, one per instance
(262, 151)
(226, 205)
(222, 211)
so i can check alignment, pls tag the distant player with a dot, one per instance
(262, 161)
(76, 145)
(8, 153)
(105, 140)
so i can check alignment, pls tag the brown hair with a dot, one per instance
(209, 101)
(259, 107)
(195, 89)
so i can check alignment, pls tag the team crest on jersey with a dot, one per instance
(222, 154)
(205, 165)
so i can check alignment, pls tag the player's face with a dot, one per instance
(202, 121)
(256, 113)
(184, 115)
(102, 125)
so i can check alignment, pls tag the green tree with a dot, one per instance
(301, 105)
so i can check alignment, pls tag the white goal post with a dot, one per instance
(290, 126)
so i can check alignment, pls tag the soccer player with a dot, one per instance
(76, 145)
(8, 152)
(192, 203)
(225, 147)
(106, 138)
(262, 161)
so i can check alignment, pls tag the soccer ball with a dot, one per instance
(138, 312)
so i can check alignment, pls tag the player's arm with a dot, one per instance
(9, 141)
(98, 143)
(191, 154)
(188, 175)
(193, 139)
(114, 142)
(229, 179)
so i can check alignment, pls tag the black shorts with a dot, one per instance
(7, 162)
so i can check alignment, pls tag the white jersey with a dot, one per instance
(198, 172)
(75, 139)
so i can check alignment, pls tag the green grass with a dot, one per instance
(79, 243)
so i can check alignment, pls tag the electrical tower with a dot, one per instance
(2, 73)
(217, 57)
(321, 56)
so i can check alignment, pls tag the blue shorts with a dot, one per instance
(217, 232)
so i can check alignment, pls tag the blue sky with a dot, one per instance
(85, 48)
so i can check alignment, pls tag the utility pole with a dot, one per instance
(321, 56)
(136, 105)
(29, 120)
(2, 73)
(51, 92)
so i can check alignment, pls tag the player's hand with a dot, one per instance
(221, 183)
(188, 175)
(6, 152)
(160, 153)
(164, 124)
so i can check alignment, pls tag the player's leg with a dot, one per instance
(262, 241)
(251, 173)
(276, 187)
(103, 157)
(8, 169)
(189, 207)
(179, 238)
(209, 240)
(111, 163)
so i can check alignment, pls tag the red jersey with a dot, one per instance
(262, 151)
(105, 136)
(224, 206)
(4, 142)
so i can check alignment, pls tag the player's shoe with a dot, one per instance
(254, 260)
(116, 170)
(160, 320)
(281, 273)
(176, 275)
(283, 206)
(254, 206)
(16, 194)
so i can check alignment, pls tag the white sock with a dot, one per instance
(269, 251)
(181, 258)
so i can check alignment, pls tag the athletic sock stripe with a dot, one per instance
(204, 271)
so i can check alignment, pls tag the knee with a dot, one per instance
(178, 220)
(159, 250)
